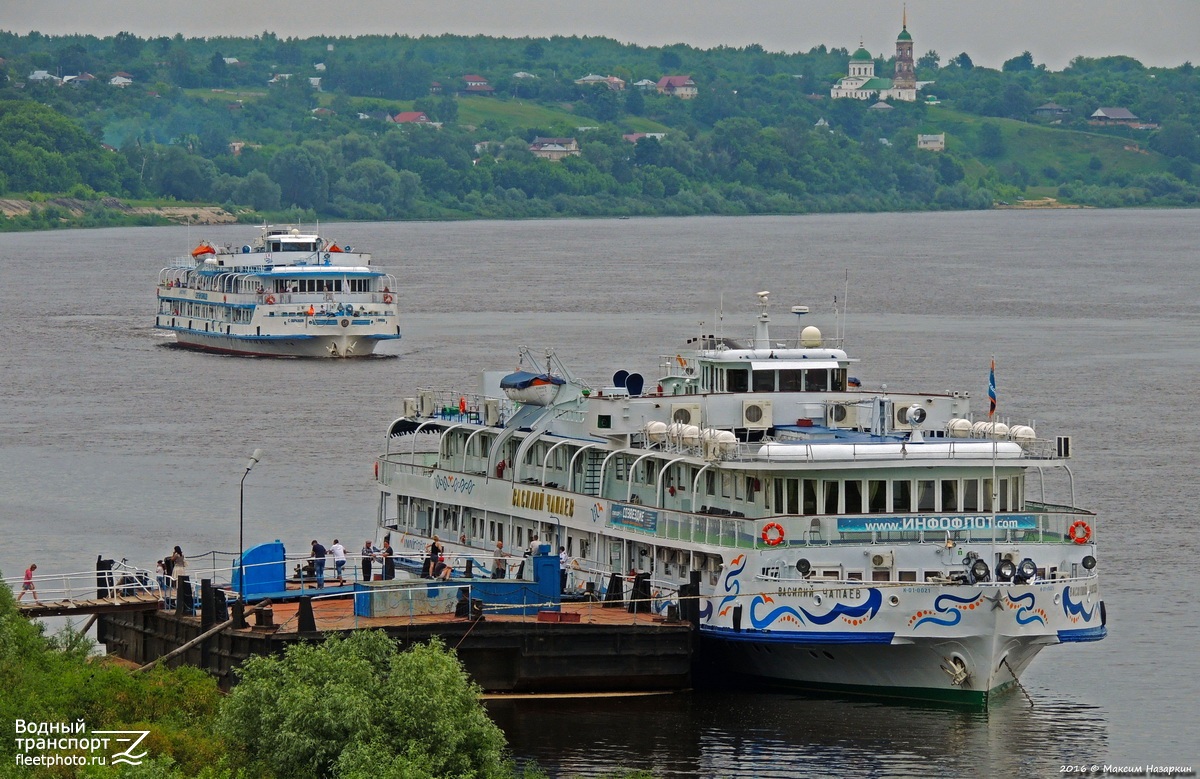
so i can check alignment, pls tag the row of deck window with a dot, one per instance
(721, 379)
(783, 495)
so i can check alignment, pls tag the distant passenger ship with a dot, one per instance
(289, 294)
(823, 535)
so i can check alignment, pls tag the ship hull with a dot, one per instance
(340, 346)
(909, 672)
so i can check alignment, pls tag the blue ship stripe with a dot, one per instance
(1082, 634)
(799, 637)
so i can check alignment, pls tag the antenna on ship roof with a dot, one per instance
(721, 317)
(841, 335)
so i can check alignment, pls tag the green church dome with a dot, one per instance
(904, 36)
(861, 54)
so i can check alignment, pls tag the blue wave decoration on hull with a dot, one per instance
(1025, 614)
(867, 609)
(1071, 608)
(732, 585)
(949, 615)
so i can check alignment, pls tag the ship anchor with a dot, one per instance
(956, 669)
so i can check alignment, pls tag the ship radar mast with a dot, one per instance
(761, 337)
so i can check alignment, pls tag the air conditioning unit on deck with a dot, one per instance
(756, 414)
(883, 559)
(685, 413)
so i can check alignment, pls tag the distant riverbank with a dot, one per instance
(23, 214)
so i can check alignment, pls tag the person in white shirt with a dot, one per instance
(339, 559)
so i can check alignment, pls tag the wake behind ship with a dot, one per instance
(848, 540)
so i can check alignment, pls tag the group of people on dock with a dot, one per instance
(319, 553)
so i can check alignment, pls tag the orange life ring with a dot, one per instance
(387, 298)
(1082, 538)
(270, 300)
(768, 538)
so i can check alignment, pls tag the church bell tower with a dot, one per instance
(906, 75)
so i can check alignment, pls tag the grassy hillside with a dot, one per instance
(1048, 155)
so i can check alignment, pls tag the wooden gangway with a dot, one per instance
(139, 601)
(115, 587)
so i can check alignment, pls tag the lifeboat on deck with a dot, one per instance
(535, 389)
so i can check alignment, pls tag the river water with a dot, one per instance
(114, 443)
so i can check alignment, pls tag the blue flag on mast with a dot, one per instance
(992, 388)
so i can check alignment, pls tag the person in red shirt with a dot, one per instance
(27, 584)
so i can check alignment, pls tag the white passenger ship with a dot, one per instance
(289, 294)
(844, 540)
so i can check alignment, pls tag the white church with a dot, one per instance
(863, 84)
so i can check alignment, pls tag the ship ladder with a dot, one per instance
(591, 474)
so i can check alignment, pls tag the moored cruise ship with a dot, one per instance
(836, 538)
(288, 294)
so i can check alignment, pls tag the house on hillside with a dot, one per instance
(645, 84)
(1105, 117)
(932, 142)
(591, 79)
(554, 149)
(80, 80)
(476, 85)
(411, 117)
(681, 87)
(1051, 111)
(635, 137)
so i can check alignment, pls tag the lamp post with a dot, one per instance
(254, 458)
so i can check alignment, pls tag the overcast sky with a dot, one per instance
(1156, 32)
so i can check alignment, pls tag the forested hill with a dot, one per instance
(263, 125)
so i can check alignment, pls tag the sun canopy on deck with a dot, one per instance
(793, 365)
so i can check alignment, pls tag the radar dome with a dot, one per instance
(810, 337)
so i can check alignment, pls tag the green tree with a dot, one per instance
(930, 60)
(258, 191)
(1018, 64)
(991, 141)
(1177, 139)
(372, 181)
(301, 177)
(635, 102)
(357, 707)
(181, 174)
